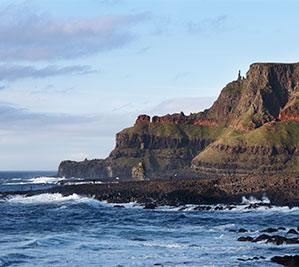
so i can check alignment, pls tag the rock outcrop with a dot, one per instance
(252, 128)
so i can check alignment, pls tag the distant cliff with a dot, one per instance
(252, 128)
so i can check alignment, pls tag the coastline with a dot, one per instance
(281, 190)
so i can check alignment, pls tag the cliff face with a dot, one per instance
(253, 127)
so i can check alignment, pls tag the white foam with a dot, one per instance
(253, 200)
(126, 205)
(164, 245)
(43, 198)
(46, 180)
(37, 180)
(80, 183)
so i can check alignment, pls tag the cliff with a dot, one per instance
(252, 128)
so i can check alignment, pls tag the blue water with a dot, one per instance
(52, 230)
(23, 180)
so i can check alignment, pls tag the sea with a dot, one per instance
(56, 230)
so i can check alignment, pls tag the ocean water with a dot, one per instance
(56, 230)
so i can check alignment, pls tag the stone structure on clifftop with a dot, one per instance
(252, 128)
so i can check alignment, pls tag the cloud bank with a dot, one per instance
(25, 35)
(34, 140)
(12, 72)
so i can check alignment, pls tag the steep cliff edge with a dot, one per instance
(252, 128)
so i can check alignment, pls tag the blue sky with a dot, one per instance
(74, 72)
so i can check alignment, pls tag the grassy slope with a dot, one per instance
(176, 131)
(285, 134)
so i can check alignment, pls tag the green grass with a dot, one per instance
(278, 133)
(176, 131)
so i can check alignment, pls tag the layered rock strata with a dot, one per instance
(252, 128)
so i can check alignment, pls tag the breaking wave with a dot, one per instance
(36, 180)
(253, 200)
(47, 198)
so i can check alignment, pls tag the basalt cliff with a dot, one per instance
(251, 129)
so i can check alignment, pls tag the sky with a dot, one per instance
(75, 72)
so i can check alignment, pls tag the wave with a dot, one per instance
(253, 200)
(46, 198)
(35, 180)
(228, 208)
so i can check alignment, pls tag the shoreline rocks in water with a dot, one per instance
(281, 236)
(289, 260)
(224, 192)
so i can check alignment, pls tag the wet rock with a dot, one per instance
(269, 230)
(262, 237)
(279, 240)
(242, 230)
(281, 228)
(202, 208)
(255, 258)
(118, 206)
(230, 207)
(292, 231)
(292, 261)
(245, 239)
(150, 206)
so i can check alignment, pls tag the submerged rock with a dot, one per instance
(245, 239)
(292, 231)
(291, 261)
(150, 206)
(269, 230)
(255, 258)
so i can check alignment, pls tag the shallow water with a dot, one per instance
(52, 230)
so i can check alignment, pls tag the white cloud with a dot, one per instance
(25, 35)
(12, 72)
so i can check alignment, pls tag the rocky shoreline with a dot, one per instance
(277, 236)
(282, 191)
(218, 194)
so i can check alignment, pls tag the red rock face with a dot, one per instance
(288, 116)
(143, 119)
(179, 118)
(175, 118)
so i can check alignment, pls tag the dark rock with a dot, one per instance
(291, 261)
(242, 230)
(262, 237)
(245, 239)
(279, 240)
(281, 228)
(269, 230)
(150, 206)
(292, 231)
(118, 206)
(255, 258)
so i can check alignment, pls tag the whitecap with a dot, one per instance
(253, 200)
(36, 180)
(43, 198)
